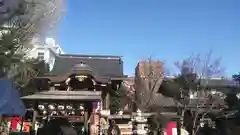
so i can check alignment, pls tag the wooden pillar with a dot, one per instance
(107, 101)
(34, 119)
(86, 120)
(107, 98)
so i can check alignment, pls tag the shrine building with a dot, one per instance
(77, 87)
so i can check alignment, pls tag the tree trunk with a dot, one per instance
(182, 118)
(194, 129)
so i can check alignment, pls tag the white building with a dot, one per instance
(46, 51)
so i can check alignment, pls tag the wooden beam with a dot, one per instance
(107, 101)
(86, 121)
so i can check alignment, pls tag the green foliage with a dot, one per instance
(14, 64)
(27, 70)
(236, 77)
(14, 46)
(232, 99)
(115, 97)
(187, 78)
(180, 86)
(9, 46)
(187, 81)
(153, 123)
(40, 66)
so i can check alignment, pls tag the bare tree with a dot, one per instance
(41, 13)
(149, 75)
(129, 93)
(142, 90)
(44, 14)
(196, 72)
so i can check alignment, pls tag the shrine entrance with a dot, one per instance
(75, 106)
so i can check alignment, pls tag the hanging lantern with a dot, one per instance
(44, 112)
(69, 107)
(63, 112)
(60, 107)
(81, 107)
(41, 107)
(51, 107)
(73, 113)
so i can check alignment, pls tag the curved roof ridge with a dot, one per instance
(89, 56)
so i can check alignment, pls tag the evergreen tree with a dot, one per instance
(115, 97)
(15, 37)
(236, 77)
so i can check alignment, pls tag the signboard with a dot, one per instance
(172, 128)
(18, 125)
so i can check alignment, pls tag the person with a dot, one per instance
(113, 128)
(57, 126)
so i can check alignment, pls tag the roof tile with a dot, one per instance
(101, 65)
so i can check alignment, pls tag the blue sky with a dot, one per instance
(169, 30)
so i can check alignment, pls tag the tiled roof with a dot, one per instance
(218, 83)
(110, 66)
(169, 88)
(214, 82)
(65, 95)
(92, 56)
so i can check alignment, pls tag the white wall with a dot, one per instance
(49, 48)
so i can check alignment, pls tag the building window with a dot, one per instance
(40, 55)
